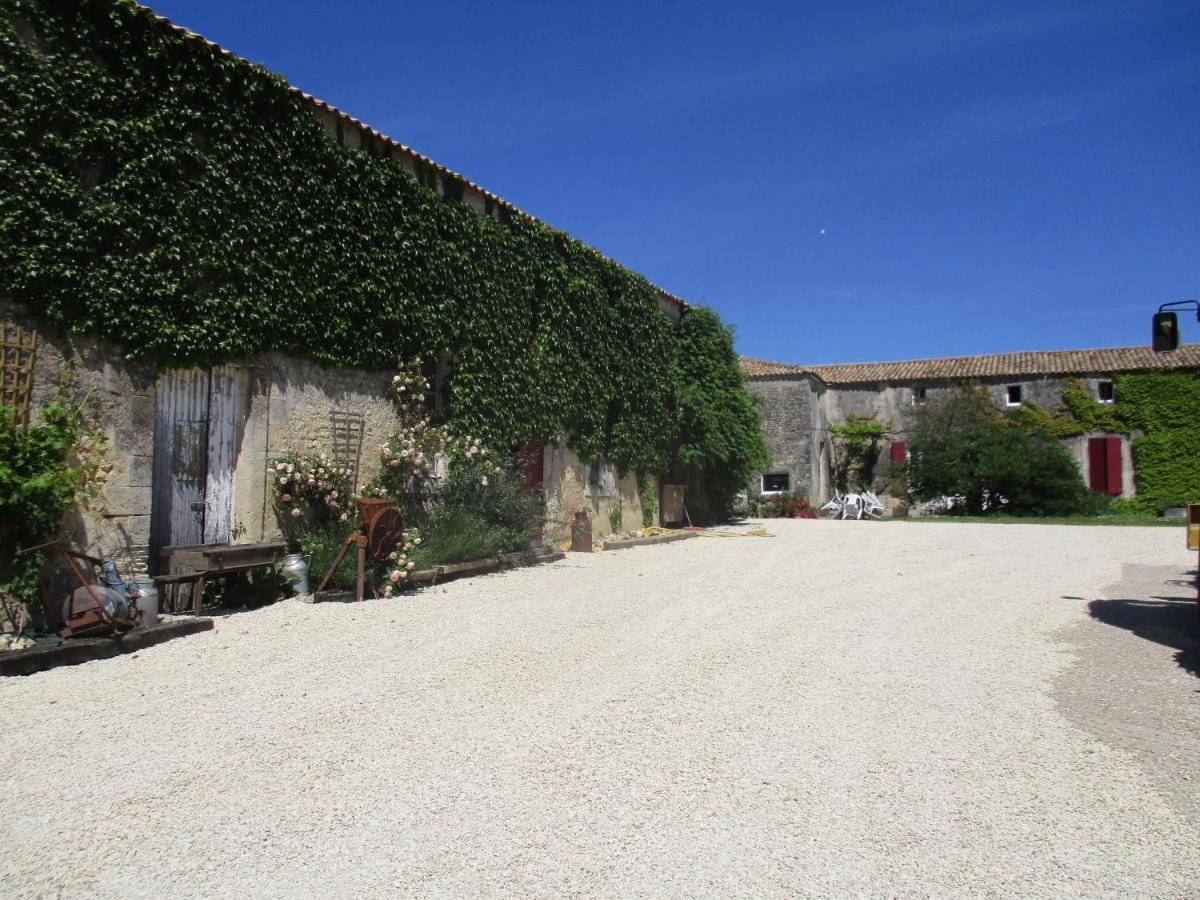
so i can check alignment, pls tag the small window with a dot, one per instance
(919, 395)
(1013, 395)
(776, 482)
(1107, 391)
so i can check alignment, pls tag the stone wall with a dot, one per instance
(295, 405)
(118, 396)
(569, 489)
(796, 412)
(792, 420)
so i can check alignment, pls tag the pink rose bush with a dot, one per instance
(410, 456)
(309, 491)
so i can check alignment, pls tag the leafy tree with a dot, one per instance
(963, 446)
(719, 430)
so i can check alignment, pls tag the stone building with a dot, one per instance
(798, 404)
(188, 448)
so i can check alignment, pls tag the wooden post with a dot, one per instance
(361, 540)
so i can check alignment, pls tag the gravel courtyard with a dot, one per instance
(839, 708)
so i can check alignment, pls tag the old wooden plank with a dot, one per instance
(225, 422)
(141, 638)
(70, 653)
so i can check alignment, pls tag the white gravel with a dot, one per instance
(843, 708)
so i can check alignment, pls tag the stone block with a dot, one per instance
(141, 471)
(126, 501)
(141, 412)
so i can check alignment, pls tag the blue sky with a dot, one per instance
(841, 181)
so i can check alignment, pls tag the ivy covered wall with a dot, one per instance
(1165, 406)
(191, 207)
(1161, 409)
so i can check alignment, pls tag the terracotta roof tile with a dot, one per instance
(992, 365)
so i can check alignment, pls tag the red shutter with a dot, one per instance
(897, 453)
(1098, 464)
(1114, 465)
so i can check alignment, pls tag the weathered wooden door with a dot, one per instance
(195, 448)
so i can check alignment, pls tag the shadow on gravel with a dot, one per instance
(1171, 621)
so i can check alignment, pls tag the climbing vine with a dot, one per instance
(1165, 407)
(1161, 409)
(192, 207)
(718, 423)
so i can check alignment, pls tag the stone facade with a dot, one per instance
(797, 407)
(260, 408)
(792, 410)
(117, 397)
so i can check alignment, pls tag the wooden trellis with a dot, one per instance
(347, 441)
(17, 346)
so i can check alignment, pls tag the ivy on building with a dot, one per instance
(718, 422)
(1160, 409)
(191, 207)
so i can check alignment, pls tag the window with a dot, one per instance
(776, 482)
(1013, 395)
(919, 395)
(1107, 391)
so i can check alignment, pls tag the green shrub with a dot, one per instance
(321, 547)
(856, 447)
(44, 469)
(648, 494)
(494, 494)
(962, 446)
(453, 534)
(720, 436)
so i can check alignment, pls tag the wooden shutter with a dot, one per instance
(1098, 464)
(897, 452)
(1113, 464)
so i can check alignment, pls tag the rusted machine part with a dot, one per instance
(581, 533)
(383, 525)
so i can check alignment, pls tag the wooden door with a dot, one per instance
(196, 430)
(180, 458)
(224, 394)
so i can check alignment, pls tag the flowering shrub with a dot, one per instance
(784, 506)
(399, 564)
(309, 493)
(408, 457)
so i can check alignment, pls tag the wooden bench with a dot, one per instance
(198, 564)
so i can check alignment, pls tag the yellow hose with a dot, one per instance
(749, 532)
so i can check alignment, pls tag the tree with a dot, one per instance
(961, 446)
(719, 430)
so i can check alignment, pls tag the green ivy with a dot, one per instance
(1166, 457)
(1078, 413)
(718, 424)
(191, 207)
(1163, 405)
